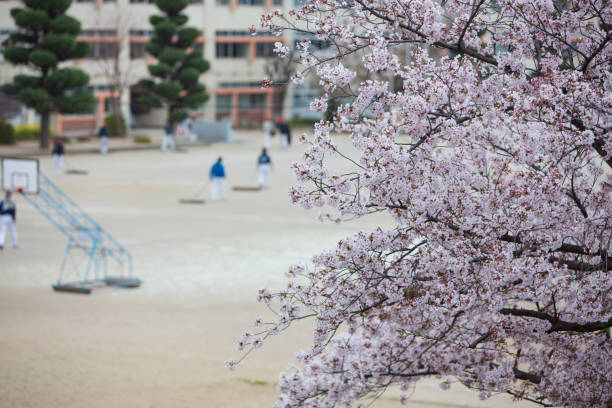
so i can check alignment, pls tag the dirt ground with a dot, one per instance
(164, 344)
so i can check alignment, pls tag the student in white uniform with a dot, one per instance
(8, 214)
(268, 129)
(264, 165)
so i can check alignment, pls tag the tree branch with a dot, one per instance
(590, 58)
(582, 266)
(459, 48)
(525, 376)
(598, 144)
(558, 325)
(572, 194)
(565, 248)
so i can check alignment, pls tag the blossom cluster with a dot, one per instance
(493, 158)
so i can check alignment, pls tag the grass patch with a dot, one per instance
(257, 383)
(142, 139)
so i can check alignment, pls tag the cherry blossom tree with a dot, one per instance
(494, 162)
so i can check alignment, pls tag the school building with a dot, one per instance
(237, 60)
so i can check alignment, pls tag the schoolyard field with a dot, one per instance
(165, 343)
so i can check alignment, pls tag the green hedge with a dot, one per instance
(29, 132)
(142, 139)
(302, 122)
(112, 125)
(7, 133)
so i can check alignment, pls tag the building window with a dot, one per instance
(232, 33)
(239, 85)
(251, 101)
(103, 50)
(138, 42)
(138, 50)
(264, 50)
(198, 47)
(143, 1)
(232, 50)
(137, 45)
(141, 33)
(242, 33)
(223, 107)
(104, 43)
(98, 88)
(98, 33)
(278, 3)
(251, 2)
(109, 104)
(222, 2)
(223, 103)
(5, 34)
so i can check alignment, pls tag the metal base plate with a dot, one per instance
(72, 287)
(191, 201)
(122, 282)
(85, 288)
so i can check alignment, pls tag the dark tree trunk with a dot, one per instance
(278, 101)
(117, 115)
(45, 121)
(118, 90)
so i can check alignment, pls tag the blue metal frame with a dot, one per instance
(83, 233)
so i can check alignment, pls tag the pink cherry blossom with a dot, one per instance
(483, 132)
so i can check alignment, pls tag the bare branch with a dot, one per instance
(558, 325)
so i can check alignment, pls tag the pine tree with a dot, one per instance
(177, 71)
(47, 37)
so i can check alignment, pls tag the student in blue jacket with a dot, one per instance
(264, 165)
(217, 180)
(58, 155)
(103, 134)
(168, 139)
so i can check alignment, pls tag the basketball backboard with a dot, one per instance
(20, 175)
